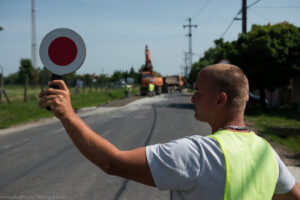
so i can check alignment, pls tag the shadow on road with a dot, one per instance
(126, 181)
(182, 105)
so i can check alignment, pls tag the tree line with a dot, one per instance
(268, 54)
(42, 76)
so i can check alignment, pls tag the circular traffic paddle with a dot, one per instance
(62, 51)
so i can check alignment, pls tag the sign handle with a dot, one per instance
(54, 77)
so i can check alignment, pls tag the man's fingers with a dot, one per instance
(46, 104)
(51, 91)
(42, 93)
(46, 98)
(59, 83)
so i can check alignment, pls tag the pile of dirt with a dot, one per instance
(120, 102)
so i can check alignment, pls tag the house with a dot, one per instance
(289, 94)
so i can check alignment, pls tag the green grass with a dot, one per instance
(279, 125)
(16, 92)
(92, 98)
(19, 112)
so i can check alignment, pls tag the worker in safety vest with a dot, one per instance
(151, 88)
(233, 163)
(128, 90)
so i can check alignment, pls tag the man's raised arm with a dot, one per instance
(128, 164)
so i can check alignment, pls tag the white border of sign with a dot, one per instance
(78, 61)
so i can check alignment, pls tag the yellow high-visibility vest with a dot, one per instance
(151, 87)
(251, 165)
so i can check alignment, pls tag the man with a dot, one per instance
(233, 163)
(151, 88)
(128, 90)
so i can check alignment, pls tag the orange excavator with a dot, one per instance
(148, 76)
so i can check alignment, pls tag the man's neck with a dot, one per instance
(237, 120)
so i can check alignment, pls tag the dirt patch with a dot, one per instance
(288, 156)
(120, 102)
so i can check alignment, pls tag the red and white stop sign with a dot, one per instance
(62, 51)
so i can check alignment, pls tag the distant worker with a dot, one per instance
(233, 163)
(128, 90)
(151, 88)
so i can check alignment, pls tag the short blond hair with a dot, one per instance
(231, 80)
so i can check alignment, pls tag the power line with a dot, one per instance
(255, 12)
(216, 12)
(197, 54)
(278, 7)
(201, 9)
(252, 4)
(236, 17)
(228, 27)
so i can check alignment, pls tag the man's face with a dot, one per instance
(203, 98)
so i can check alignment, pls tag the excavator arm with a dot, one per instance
(148, 62)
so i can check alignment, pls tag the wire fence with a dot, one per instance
(28, 92)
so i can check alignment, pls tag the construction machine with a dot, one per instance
(172, 83)
(148, 75)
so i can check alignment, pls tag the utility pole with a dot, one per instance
(1, 86)
(185, 68)
(190, 26)
(35, 80)
(244, 16)
(33, 47)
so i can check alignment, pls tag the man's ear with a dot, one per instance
(221, 100)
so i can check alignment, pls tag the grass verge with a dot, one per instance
(19, 112)
(279, 125)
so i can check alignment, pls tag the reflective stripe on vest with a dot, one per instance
(251, 166)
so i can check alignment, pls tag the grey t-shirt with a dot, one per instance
(194, 168)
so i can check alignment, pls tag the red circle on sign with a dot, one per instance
(62, 51)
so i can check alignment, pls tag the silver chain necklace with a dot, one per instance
(238, 128)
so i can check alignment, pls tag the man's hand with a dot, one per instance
(57, 99)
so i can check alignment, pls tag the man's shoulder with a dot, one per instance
(187, 160)
(203, 141)
(190, 147)
(191, 141)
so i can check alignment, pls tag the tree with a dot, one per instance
(117, 75)
(25, 68)
(211, 56)
(103, 80)
(269, 55)
(125, 74)
(35, 77)
(11, 78)
(45, 75)
(134, 75)
(88, 79)
(70, 79)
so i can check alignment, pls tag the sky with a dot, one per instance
(115, 32)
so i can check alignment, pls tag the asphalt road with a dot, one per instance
(41, 162)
